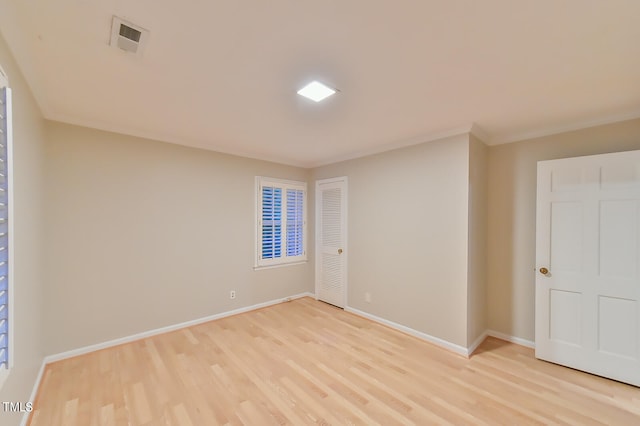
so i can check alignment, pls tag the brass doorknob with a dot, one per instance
(339, 251)
(544, 271)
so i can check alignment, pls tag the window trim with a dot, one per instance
(284, 260)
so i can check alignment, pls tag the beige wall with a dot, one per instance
(511, 225)
(407, 235)
(477, 269)
(28, 285)
(414, 272)
(143, 234)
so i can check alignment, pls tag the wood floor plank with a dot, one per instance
(305, 362)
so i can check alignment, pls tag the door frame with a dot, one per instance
(318, 248)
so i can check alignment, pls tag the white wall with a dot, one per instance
(408, 218)
(512, 210)
(143, 234)
(28, 285)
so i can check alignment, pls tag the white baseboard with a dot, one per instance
(432, 339)
(460, 350)
(34, 391)
(471, 349)
(512, 339)
(115, 342)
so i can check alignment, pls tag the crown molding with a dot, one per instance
(569, 127)
(479, 133)
(431, 137)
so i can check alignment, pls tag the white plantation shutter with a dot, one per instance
(281, 225)
(295, 222)
(271, 222)
(5, 140)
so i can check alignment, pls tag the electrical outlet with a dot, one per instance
(367, 297)
(232, 294)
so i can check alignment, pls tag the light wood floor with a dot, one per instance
(307, 362)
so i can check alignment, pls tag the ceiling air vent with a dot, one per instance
(127, 36)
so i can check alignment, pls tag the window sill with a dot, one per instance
(279, 265)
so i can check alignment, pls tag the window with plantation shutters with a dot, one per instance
(271, 246)
(281, 225)
(5, 140)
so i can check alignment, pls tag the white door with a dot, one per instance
(331, 241)
(588, 264)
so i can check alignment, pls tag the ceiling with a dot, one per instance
(223, 74)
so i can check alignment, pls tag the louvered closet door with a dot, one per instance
(331, 241)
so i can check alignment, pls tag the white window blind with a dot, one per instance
(281, 230)
(5, 140)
